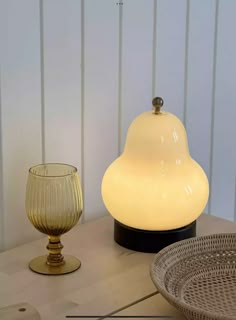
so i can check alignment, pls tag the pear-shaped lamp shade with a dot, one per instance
(155, 185)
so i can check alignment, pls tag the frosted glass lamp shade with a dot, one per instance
(155, 184)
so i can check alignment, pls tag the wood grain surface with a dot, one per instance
(153, 306)
(21, 311)
(111, 278)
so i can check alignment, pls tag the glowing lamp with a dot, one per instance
(155, 191)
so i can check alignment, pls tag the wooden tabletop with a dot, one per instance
(112, 280)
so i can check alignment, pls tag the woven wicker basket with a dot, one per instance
(198, 276)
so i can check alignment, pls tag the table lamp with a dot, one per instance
(155, 191)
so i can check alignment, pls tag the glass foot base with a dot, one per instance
(39, 265)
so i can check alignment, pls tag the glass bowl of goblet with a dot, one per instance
(54, 205)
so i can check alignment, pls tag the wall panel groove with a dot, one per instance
(41, 31)
(154, 47)
(213, 102)
(186, 61)
(120, 67)
(82, 105)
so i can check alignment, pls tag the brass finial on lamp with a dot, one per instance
(157, 104)
(155, 191)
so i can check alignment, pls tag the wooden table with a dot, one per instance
(112, 280)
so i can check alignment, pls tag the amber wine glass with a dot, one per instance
(54, 205)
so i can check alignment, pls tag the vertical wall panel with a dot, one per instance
(101, 98)
(21, 111)
(200, 76)
(137, 48)
(224, 143)
(170, 54)
(62, 80)
(235, 200)
(1, 165)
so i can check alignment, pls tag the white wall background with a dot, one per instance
(74, 74)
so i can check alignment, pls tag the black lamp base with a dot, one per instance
(150, 241)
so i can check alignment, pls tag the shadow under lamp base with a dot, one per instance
(39, 265)
(150, 241)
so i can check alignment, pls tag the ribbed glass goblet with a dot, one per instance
(54, 205)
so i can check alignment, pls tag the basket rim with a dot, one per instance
(162, 290)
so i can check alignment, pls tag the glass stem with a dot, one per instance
(55, 258)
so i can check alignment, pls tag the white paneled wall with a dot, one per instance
(101, 68)
(224, 114)
(199, 75)
(20, 111)
(75, 73)
(61, 66)
(136, 63)
(171, 54)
